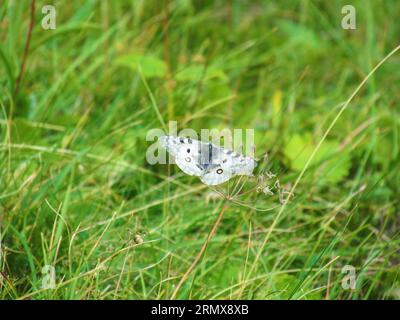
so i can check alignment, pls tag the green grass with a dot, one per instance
(76, 192)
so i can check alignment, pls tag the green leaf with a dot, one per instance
(332, 166)
(151, 66)
(384, 150)
(198, 72)
(298, 150)
(301, 37)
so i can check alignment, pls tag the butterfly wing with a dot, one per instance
(243, 165)
(237, 163)
(185, 152)
(188, 167)
(214, 165)
(215, 175)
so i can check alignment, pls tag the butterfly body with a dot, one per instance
(214, 165)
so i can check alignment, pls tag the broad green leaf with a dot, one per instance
(151, 66)
(198, 72)
(301, 36)
(332, 166)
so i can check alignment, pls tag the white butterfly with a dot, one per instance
(214, 165)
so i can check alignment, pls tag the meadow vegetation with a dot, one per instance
(77, 194)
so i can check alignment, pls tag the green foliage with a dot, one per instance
(333, 163)
(77, 193)
(150, 66)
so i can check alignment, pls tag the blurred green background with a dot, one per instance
(77, 194)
